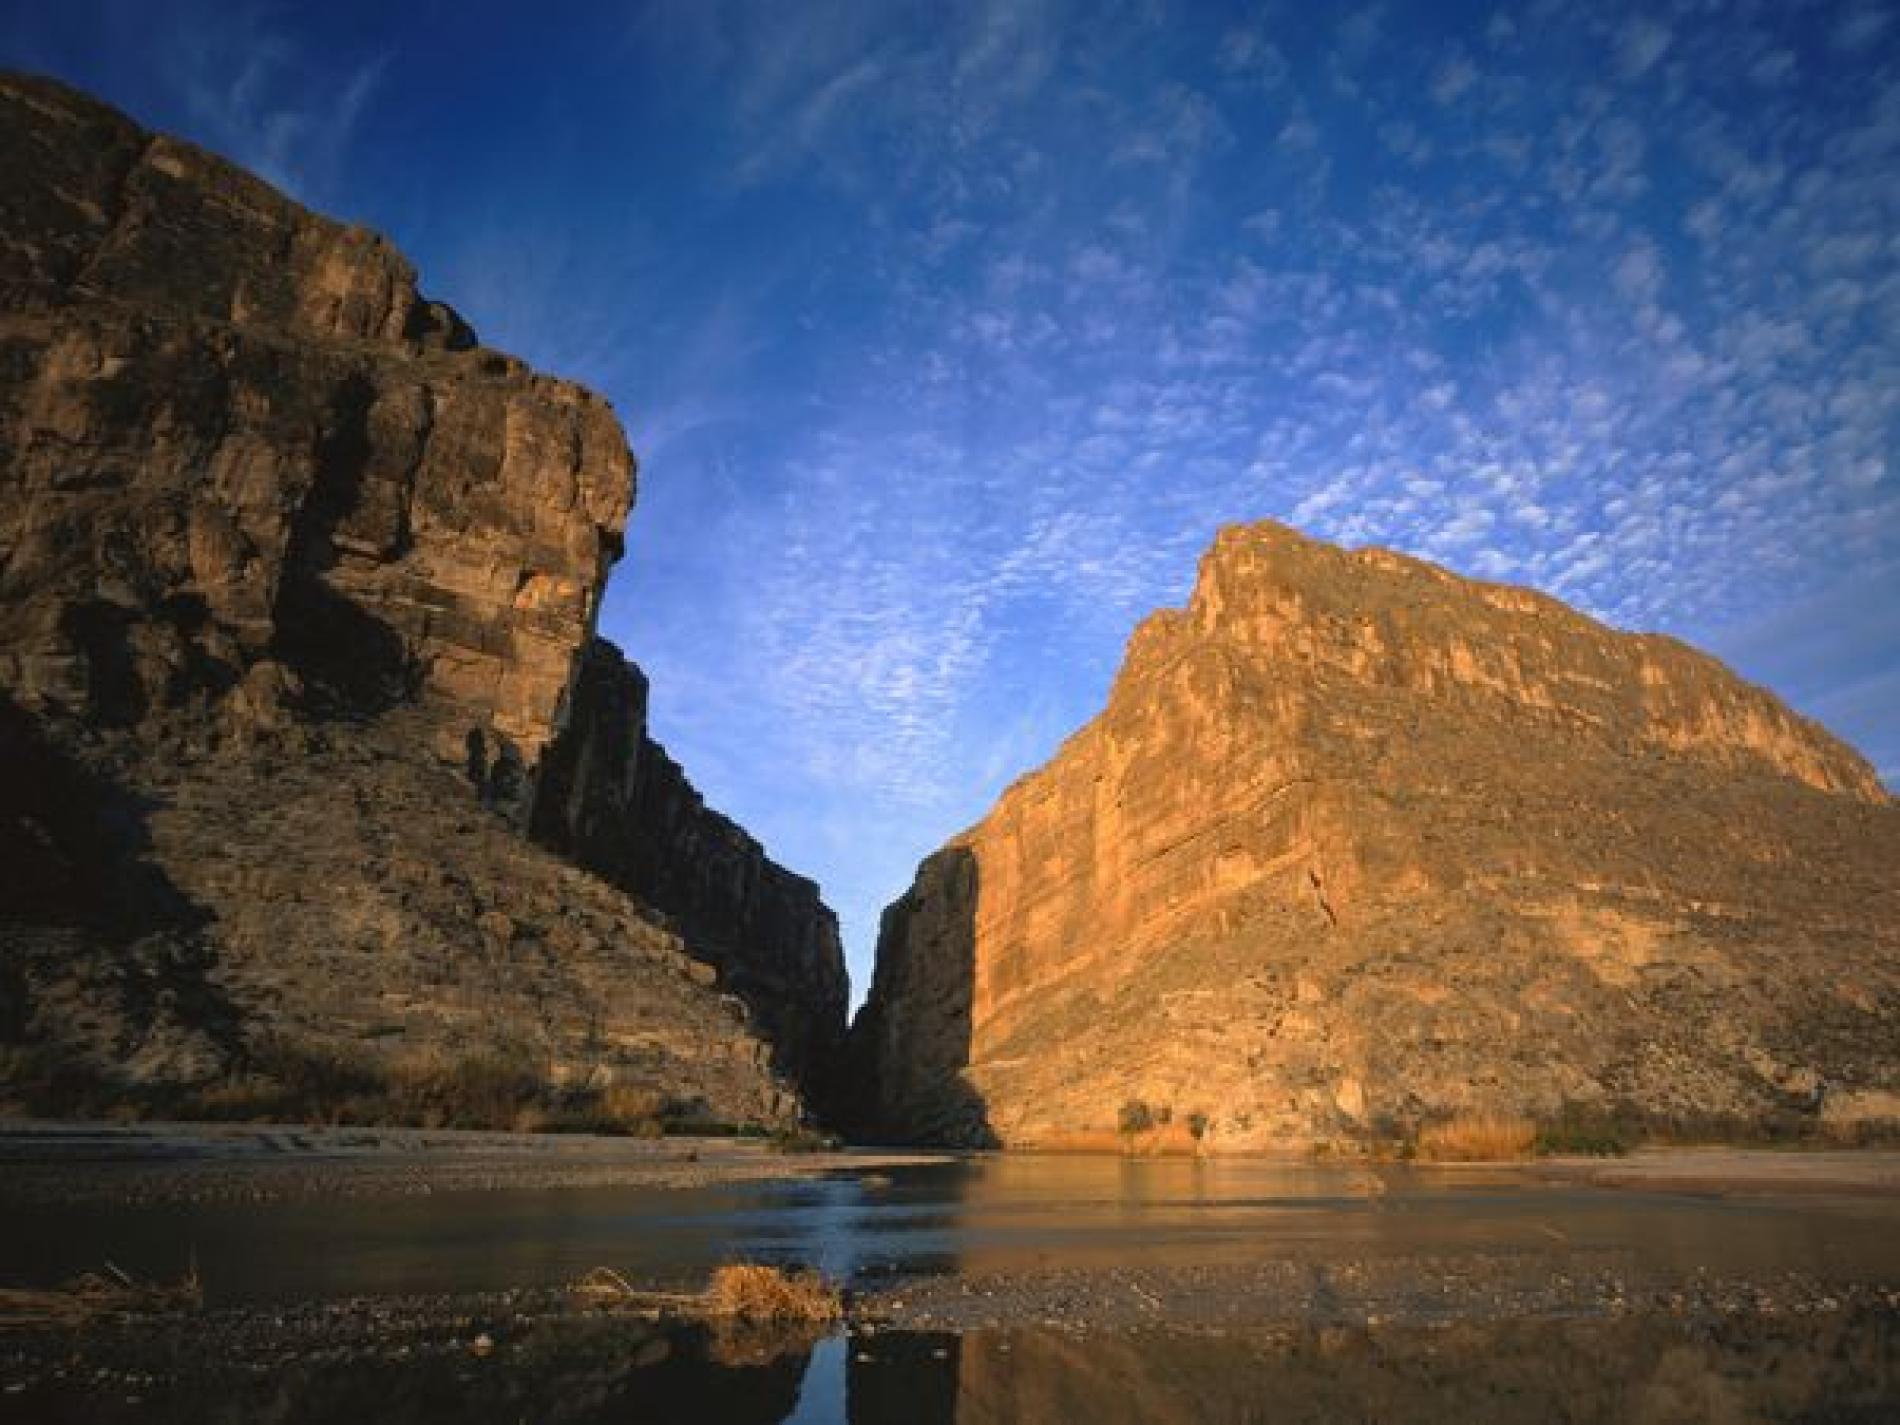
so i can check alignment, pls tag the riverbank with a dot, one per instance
(43, 1162)
(1735, 1172)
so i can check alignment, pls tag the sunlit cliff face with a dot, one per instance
(1356, 842)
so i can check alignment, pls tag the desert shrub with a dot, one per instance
(696, 1125)
(45, 1080)
(308, 1074)
(631, 1104)
(487, 1090)
(279, 1079)
(1197, 1125)
(1862, 1133)
(1586, 1132)
(1478, 1138)
(801, 1139)
(1677, 1126)
(1135, 1117)
(618, 1110)
(760, 1293)
(534, 1118)
(241, 1098)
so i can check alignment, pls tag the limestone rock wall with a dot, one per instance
(234, 433)
(287, 562)
(1357, 844)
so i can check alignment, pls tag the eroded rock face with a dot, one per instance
(613, 800)
(1357, 844)
(235, 432)
(287, 562)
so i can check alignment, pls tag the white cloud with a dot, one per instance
(1453, 78)
(1640, 44)
(1248, 53)
(1862, 27)
(1639, 275)
(258, 96)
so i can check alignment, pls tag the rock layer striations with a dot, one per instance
(287, 562)
(1358, 845)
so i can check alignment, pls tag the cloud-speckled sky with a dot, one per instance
(949, 332)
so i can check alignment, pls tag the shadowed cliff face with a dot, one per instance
(287, 560)
(609, 797)
(1357, 844)
(915, 1028)
(78, 874)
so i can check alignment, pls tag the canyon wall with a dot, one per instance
(1357, 845)
(610, 798)
(298, 586)
(236, 435)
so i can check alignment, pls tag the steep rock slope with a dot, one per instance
(1357, 844)
(296, 586)
(610, 798)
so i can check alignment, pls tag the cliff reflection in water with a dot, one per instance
(1636, 1369)
(1828, 1365)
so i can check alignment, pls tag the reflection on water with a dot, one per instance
(1836, 1366)
(1545, 1371)
(978, 1216)
(984, 1214)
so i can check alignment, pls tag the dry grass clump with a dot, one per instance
(635, 1108)
(605, 1287)
(1478, 1138)
(752, 1315)
(743, 1292)
(751, 1292)
(96, 1296)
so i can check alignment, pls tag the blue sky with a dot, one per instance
(949, 333)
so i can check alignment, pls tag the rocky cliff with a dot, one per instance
(236, 435)
(297, 590)
(610, 798)
(1358, 845)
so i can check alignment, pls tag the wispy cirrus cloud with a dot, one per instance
(242, 78)
(271, 105)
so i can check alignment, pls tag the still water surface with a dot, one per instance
(974, 1216)
(1000, 1215)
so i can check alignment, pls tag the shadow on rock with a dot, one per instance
(908, 1054)
(93, 930)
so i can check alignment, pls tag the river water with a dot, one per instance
(992, 1217)
(986, 1214)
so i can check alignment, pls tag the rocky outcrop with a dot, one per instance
(237, 438)
(287, 561)
(613, 801)
(1356, 845)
